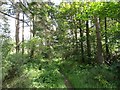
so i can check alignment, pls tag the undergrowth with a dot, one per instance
(89, 76)
(21, 72)
(31, 73)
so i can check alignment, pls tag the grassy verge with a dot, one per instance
(88, 76)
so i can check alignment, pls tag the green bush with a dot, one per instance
(35, 73)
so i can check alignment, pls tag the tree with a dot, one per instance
(81, 41)
(106, 40)
(5, 36)
(88, 42)
(23, 35)
(99, 56)
(17, 32)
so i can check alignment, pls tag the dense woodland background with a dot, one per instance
(71, 45)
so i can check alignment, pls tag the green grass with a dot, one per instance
(36, 73)
(44, 73)
(88, 76)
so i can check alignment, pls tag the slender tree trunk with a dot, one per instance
(72, 34)
(99, 55)
(30, 30)
(34, 26)
(33, 33)
(81, 43)
(88, 42)
(17, 33)
(23, 36)
(76, 44)
(106, 40)
(76, 39)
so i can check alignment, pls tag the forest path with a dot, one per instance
(66, 81)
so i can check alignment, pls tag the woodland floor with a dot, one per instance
(67, 81)
(57, 73)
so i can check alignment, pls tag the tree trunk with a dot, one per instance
(76, 44)
(88, 42)
(76, 35)
(106, 41)
(23, 36)
(99, 55)
(33, 45)
(72, 34)
(81, 42)
(34, 26)
(17, 33)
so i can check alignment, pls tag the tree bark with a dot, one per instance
(106, 40)
(76, 36)
(76, 44)
(33, 33)
(23, 35)
(88, 42)
(17, 33)
(81, 42)
(99, 55)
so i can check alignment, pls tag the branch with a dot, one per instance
(14, 5)
(14, 17)
(25, 8)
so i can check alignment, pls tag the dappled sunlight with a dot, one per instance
(61, 45)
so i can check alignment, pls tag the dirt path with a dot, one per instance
(66, 81)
